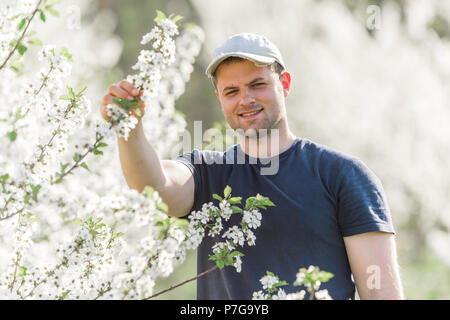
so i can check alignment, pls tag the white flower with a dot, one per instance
(169, 27)
(237, 263)
(138, 264)
(226, 210)
(235, 234)
(259, 295)
(300, 295)
(252, 218)
(300, 277)
(280, 295)
(250, 237)
(216, 228)
(268, 281)
(323, 295)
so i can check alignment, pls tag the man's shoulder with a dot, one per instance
(325, 153)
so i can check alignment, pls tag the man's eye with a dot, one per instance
(229, 93)
(258, 84)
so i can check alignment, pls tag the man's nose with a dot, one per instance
(247, 97)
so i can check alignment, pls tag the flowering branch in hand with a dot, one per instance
(150, 64)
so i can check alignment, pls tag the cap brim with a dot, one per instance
(259, 61)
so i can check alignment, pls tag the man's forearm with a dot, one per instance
(140, 163)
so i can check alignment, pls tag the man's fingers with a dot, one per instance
(128, 87)
(104, 112)
(124, 90)
(107, 99)
(118, 92)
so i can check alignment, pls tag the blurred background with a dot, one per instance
(370, 78)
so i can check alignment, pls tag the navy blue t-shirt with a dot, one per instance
(321, 195)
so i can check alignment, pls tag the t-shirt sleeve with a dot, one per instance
(362, 202)
(192, 161)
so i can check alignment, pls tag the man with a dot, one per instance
(331, 210)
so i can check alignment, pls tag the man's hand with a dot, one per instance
(373, 261)
(123, 90)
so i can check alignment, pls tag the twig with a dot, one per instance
(23, 34)
(182, 283)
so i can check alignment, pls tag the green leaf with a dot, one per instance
(160, 16)
(137, 112)
(177, 18)
(181, 222)
(71, 93)
(235, 200)
(249, 202)
(16, 67)
(229, 261)
(270, 273)
(162, 207)
(22, 49)
(84, 165)
(125, 103)
(42, 16)
(64, 166)
(35, 41)
(235, 209)
(220, 264)
(280, 283)
(80, 90)
(21, 24)
(267, 202)
(27, 198)
(53, 11)
(22, 271)
(34, 219)
(35, 189)
(66, 53)
(116, 235)
(52, 2)
(12, 135)
(64, 294)
(76, 157)
(97, 152)
(217, 197)
(59, 180)
(148, 191)
(227, 191)
(102, 144)
(64, 97)
(4, 178)
(236, 253)
(324, 276)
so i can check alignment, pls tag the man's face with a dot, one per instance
(251, 97)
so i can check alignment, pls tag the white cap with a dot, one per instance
(248, 46)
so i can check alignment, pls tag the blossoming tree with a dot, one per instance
(62, 225)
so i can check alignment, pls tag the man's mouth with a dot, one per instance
(251, 113)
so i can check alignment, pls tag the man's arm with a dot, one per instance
(142, 166)
(373, 261)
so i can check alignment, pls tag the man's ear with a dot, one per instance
(285, 79)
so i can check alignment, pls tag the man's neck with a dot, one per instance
(269, 145)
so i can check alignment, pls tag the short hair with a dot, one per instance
(275, 67)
